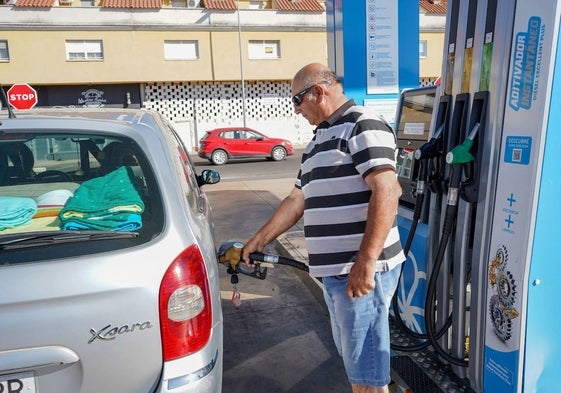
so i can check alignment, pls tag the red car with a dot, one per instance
(222, 144)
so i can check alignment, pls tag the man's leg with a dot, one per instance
(346, 314)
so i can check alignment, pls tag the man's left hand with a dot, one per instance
(361, 279)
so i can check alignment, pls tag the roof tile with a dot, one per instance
(220, 4)
(131, 3)
(298, 5)
(35, 3)
(433, 8)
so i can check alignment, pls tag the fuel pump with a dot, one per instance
(483, 242)
(430, 150)
(456, 158)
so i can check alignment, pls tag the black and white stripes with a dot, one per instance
(346, 147)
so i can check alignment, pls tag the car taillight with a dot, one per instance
(185, 308)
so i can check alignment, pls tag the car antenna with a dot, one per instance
(11, 113)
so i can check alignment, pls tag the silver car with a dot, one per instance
(108, 272)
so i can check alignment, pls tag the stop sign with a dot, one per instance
(22, 96)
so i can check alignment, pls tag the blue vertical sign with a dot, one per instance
(374, 54)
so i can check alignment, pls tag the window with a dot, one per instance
(181, 50)
(423, 48)
(4, 52)
(84, 50)
(255, 5)
(264, 49)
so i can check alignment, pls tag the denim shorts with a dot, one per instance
(361, 329)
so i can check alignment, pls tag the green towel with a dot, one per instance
(103, 197)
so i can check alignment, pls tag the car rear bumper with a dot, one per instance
(205, 380)
(180, 376)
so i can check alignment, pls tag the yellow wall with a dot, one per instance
(431, 66)
(296, 50)
(39, 57)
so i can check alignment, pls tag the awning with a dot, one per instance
(220, 4)
(298, 5)
(132, 3)
(35, 3)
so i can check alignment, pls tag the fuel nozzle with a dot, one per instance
(431, 148)
(230, 254)
(461, 153)
(455, 157)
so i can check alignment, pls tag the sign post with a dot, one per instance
(22, 96)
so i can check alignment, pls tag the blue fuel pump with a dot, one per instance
(480, 226)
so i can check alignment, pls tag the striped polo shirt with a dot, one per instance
(346, 147)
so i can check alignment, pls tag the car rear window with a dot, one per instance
(53, 186)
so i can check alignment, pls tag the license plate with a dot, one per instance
(16, 383)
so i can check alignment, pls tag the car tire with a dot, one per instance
(278, 153)
(219, 157)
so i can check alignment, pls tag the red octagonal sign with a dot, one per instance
(22, 96)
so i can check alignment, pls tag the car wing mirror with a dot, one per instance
(208, 176)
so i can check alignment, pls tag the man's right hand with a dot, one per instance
(251, 246)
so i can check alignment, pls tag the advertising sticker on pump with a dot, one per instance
(524, 129)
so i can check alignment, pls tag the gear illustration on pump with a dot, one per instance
(501, 305)
(498, 263)
(501, 323)
(506, 288)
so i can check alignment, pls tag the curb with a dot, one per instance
(292, 245)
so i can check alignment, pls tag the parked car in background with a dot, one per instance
(222, 144)
(107, 256)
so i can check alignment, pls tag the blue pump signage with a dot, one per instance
(524, 130)
(526, 66)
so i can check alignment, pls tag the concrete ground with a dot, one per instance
(279, 338)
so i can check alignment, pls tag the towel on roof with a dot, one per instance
(104, 202)
(16, 211)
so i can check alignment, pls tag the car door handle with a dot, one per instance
(20, 360)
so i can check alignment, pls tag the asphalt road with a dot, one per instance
(258, 168)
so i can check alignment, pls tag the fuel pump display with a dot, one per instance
(413, 122)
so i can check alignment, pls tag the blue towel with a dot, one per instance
(121, 223)
(16, 211)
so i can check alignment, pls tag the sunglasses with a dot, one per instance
(297, 98)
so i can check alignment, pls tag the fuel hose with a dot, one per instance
(456, 158)
(447, 229)
(429, 150)
(420, 197)
(278, 259)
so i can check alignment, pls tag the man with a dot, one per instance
(348, 193)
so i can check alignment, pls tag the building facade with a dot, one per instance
(203, 64)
